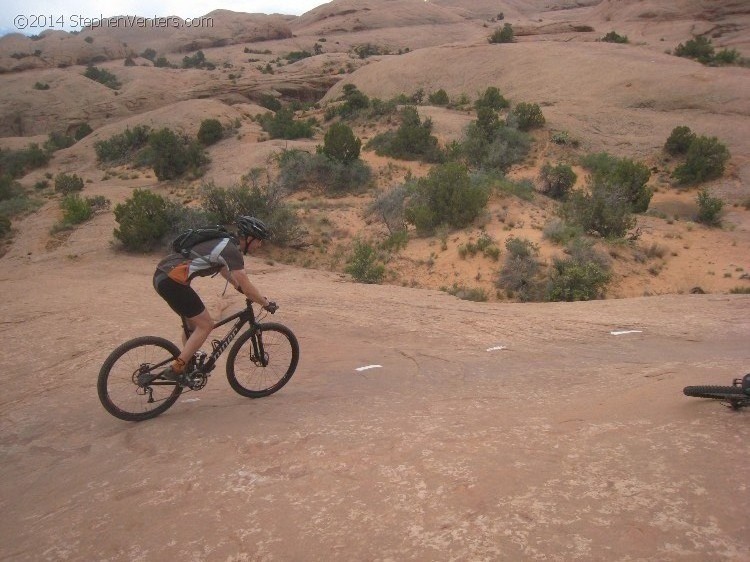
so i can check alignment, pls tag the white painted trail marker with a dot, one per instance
(622, 332)
(368, 367)
(496, 348)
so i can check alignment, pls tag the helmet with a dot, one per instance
(255, 228)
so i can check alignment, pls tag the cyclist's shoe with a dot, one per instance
(171, 375)
(746, 384)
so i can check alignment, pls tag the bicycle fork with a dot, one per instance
(259, 356)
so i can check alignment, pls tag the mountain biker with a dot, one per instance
(222, 255)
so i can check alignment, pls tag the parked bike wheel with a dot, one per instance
(118, 385)
(245, 370)
(732, 394)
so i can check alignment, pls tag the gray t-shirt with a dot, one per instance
(206, 258)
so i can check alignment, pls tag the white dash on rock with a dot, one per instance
(368, 367)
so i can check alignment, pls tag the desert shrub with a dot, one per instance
(301, 170)
(614, 37)
(57, 141)
(283, 125)
(520, 271)
(17, 163)
(474, 294)
(340, 144)
(603, 210)
(502, 34)
(582, 276)
(732, 291)
(522, 188)
(699, 49)
(76, 209)
(149, 54)
(527, 116)
(163, 62)
(41, 86)
(446, 196)
(295, 56)
(727, 56)
(143, 219)
(258, 196)
(83, 130)
(198, 60)
(123, 146)
(395, 241)
(679, 140)
(68, 183)
(492, 99)
(103, 77)
(493, 147)
(560, 232)
(705, 160)
(380, 108)
(210, 131)
(172, 156)
(412, 141)
(558, 180)
(622, 175)
(388, 207)
(439, 98)
(5, 225)
(9, 188)
(363, 264)
(709, 208)
(484, 244)
(269, 102)
(354, 102)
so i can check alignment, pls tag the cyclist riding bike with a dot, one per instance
(221, 255)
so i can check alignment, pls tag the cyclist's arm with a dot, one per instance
(239, 278)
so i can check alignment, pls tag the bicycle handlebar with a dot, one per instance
(272, 306)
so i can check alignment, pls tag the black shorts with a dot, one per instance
(180, 298)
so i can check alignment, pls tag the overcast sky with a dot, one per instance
(29, 16)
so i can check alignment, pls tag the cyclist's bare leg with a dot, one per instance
(201, 326)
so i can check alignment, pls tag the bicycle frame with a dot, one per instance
(246, 316)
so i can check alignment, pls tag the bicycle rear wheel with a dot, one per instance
(262, 369)
(732, 394)
(122, 393)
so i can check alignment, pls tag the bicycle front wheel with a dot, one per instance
(125, 387)
(732, 394)
(262, 360)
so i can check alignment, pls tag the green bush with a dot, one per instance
(679, 140)
(705, 160)
(123, 146)
(83, 130)
(475, 294)
(269, 102)
(527, 116)
(439, 98)
(502, 34)
(103, 77)
(622, 175)
(144, 219)
(57, 141)
(41, 86)
(493, 148)
(727, 56)
(256, 196)
(282, 125)
(388, 207)
(412, 141)
(560, 232)
(446, 196)
(520, 271)
(210, 131)
(76, 209)
(295, 56)
(149, 54)
(582, 275)
(9, 188)
(340, 144)
(172, 156)
(198, 60)
(363, 264)
(492, 99)
(699, 48)
(5, 225)
(301, 170)
(613, 37)
(709, 208)
(68, 183)
(603, 210)
(17, 163)
(557, 181)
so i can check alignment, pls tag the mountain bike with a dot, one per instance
(260, 362)
(736, 396)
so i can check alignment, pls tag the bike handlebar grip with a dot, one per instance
(272, 307)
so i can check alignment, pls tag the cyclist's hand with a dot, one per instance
(272, 307)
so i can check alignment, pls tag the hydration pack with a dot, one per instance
(184, 243)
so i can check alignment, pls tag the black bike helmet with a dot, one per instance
(252, 227)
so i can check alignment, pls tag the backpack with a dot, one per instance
(184, 243)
